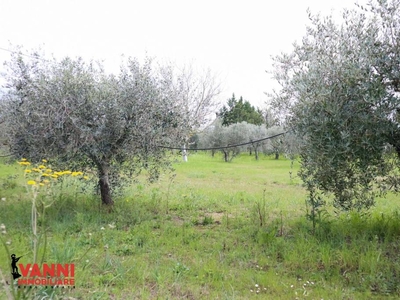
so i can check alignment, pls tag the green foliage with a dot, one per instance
(339, 94)
(218, 135)
(239, 111)
(79, 116)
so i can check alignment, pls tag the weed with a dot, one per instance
(10, 182)
(180, 269)
(260, 208)
(149, 246)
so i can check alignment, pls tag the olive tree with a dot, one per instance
(255, 133)
(233, 135)
(340, 94)
(276, 145)
(73, 112)
(220, 137)
(210, 136)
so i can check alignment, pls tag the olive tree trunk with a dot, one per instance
(226, 156)
(256, 153)
(104, 183)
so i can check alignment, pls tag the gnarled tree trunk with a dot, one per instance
(104, 183)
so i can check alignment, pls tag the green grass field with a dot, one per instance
(216, 230)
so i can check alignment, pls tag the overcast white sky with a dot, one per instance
(234, 38)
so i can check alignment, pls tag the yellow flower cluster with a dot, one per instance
(42, 172)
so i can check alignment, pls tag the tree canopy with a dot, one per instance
(238, 111)
(340, 93)
(75, 113)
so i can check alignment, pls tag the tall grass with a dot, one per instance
(214, 231)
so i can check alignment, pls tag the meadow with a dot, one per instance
(210, 230)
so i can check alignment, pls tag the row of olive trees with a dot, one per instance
(218, 135)
(74, 113)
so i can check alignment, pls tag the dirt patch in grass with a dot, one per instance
(213, 218)
(218, 217)
(177, 220)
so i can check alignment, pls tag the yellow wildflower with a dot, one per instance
(76, 173)
(54, 176)
(36, 170)
(49, 170)
(42, 167)
(46, 181)
(58, 173)
(41, 184)
(23, 159)
(28, 171)
(31, 182)
(86, 177)
(45, 175)
(43, 160)
(67, 172)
